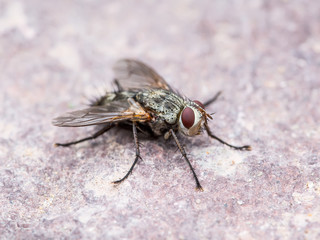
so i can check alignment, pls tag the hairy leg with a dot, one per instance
(245, 147)
(207, 103)
(136, 143)
(186, 158)
(97, 134)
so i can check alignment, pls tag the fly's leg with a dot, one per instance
(186, 158)
(207, 103)
(97, 134)
(245, 147)
(116, 82)
(136, 143)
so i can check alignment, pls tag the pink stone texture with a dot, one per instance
(263, 55)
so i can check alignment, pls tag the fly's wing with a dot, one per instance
(135, 75)
(113, 112)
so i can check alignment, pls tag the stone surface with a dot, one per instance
(263, 55)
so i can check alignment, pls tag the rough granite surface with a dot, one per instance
(264, 55)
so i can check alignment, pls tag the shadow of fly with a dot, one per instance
(145, 102)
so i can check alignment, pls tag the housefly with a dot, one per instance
(145, 102)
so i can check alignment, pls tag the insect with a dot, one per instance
(146, 103)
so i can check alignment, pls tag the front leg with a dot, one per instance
(186, 158)
(212, 100)
(245, 147)
(136, 143)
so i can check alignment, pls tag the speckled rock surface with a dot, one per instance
(263, 55)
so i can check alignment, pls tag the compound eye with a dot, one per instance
(199, 103)
(187, 117)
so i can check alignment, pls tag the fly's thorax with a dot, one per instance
(162, 103)
(192, 118)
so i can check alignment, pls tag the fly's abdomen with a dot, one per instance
(113, 97)
(162, 103)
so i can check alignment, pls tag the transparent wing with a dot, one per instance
(134, 75)
(101, 114)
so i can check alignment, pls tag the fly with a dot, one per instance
(146, 103)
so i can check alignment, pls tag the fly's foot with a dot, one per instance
(244, 148)
(199, 188)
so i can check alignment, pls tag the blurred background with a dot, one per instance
(263, 55)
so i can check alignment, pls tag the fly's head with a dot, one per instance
(192, 118)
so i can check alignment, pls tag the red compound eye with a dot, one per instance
(199, 103)
(187, 117)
